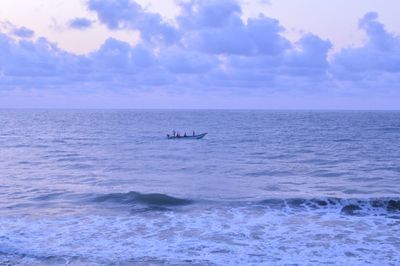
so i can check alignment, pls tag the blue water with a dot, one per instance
(263, 187)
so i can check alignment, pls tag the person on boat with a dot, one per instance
(173, 132)
(194, 134)
(185, 135)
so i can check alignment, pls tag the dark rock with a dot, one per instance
(377, 203)
(320, 202)
(351, 209)
(393, 205)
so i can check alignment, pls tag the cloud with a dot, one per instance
(119, 55)
(217, 27)
(20, 32)
(310, 59)
(41, 64)
(177, 61)
(379, 38)
(23, 32)
(198, 14)
(126, 14)
(209, 49)
(27, 58)
(380, 55)
(80, 23)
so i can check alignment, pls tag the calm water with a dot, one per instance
(263, 187)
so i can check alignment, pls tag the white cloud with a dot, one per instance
(210, 49)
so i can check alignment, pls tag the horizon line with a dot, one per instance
(199, 109)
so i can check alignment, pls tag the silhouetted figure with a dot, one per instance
(173, 132)
(185, 135)
(194, 134)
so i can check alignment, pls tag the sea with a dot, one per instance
(106, 187)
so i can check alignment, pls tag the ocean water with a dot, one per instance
(262, 188)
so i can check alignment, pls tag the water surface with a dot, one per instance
(263, 187)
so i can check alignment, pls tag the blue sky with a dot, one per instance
(304, 54)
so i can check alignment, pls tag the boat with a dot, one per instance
(199, 136)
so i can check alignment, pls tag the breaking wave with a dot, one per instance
(158, 202)
(345, 206)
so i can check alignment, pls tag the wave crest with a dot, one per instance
(153, 199)
(148, 202)
(346, 206)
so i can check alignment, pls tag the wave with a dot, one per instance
(153, 199)
(147, 202)
(345, 206)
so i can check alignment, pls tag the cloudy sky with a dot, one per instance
(272, 54)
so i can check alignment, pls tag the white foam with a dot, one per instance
(224, 236)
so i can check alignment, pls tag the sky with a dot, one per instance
(231, 54)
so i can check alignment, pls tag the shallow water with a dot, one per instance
(263, 187)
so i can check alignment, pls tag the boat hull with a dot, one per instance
(200, 136)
